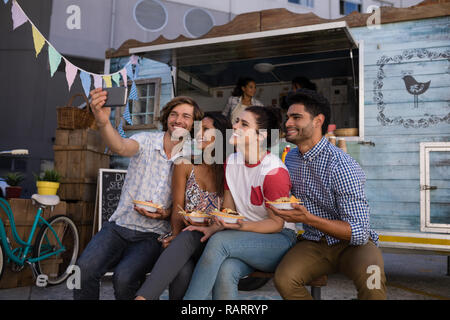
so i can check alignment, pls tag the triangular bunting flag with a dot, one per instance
(98, 83)
(126, 114)
(129, 69)
(18, 16)
(123, 72)
(107, 79)
(71, 72)
(86, 82)
(136, 71)
(134, 59)
(116, 78)
(5, 1)
(120, 129)
(54, 59)
(133, 92)
(38, 40)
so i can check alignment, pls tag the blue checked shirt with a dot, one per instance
(331, 185)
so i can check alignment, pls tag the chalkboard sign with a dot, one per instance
(109, 190)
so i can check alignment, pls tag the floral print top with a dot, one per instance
(198, 199)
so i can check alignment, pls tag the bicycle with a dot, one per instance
(55, 250)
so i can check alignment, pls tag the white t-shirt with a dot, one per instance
(250, 185)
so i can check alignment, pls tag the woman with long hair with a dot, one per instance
(196, 185)
(252, 176)
(242, 97)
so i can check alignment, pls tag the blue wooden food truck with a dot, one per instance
(388, 85)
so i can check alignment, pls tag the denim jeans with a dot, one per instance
(230, 255)
(130, 254)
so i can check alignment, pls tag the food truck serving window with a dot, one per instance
(325, 53)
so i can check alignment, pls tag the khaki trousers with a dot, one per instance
(308, 260)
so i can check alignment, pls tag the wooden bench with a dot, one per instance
(315, 284)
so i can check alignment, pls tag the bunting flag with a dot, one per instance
(129, 69)
(54, 58)
(18, 16)
(116, 79)
(133, 92)
(120, 129)
(134, 59)
(98, 83)
(136, 71)
(38, 40)
(107, 80)
(86, 82)
(126, 114)
(123, 72)
(71, 72)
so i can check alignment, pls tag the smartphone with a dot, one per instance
(116, 97)
(164, 236)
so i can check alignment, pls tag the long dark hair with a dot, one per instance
(221, 123)
(242, 82)
(267, 118)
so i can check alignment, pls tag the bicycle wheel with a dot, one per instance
(2, 260)
(57, 267)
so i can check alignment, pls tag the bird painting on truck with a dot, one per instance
(415, 88)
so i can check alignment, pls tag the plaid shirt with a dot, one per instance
(331, 185)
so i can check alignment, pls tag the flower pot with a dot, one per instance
(13, 192)
(47, 188)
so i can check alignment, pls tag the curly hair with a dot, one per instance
(198, 113)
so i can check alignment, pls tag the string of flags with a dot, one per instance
(87, 78)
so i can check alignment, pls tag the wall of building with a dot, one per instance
(397, 125)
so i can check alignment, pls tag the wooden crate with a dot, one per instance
(81, 212)
(78, 164)
(24, 214)
(85, 233)
(84, 139)
(76, 190)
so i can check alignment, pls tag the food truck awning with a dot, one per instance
(318, 38)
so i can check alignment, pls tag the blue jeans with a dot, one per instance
(131, 254)
(231, 255)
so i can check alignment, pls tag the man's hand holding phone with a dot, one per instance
(98, 99)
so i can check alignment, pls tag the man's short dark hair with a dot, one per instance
(314, 103)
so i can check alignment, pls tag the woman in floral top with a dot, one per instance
(194, 187)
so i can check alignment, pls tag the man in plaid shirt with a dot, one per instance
(335, 212)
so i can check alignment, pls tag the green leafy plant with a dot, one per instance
(49, 175)
(14, 178)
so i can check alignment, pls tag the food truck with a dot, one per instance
(388, 83)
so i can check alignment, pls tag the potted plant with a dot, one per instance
(13, 179)
(48, 184)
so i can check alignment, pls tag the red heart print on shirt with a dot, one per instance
(256, 196)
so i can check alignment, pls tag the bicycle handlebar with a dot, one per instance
(15, 152)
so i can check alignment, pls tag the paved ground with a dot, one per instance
(410, 277)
